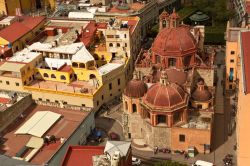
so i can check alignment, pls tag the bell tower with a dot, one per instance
(164, 20)
(174, 19)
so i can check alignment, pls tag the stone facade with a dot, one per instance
(11, 113)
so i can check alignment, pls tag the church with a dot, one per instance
(169, 103)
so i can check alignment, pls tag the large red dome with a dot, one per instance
(177, 41)
(165, 96)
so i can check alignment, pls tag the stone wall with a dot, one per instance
(207, 74)
(13, 112)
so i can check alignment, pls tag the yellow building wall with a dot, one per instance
(3, 7)
(3, 42)
(12, 5)
(84, 74)
(12, 84)
(58, 75)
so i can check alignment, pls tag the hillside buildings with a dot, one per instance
(171, 97)
(60, 71)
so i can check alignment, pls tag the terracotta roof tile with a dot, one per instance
(18, 29)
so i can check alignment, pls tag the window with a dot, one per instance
(164, 24)
(171, 62)
(74, 64)
(119, 90)
(7, 82)
(110, 36)
(65, 103)
(134, 108)
(28, 68)
(118, 44)
(117, 36)
(161, 119)
(1, 81)
(125, 35)
(47, 100)
(231, 75)
(232, 61)
(232, 52)
(63, 77)
(97, 103)
(126, 105)
(118, 81)
(126, 44)
(110, 94)
(158, 59)
(45, 75)
(17, 84)
(110, 44)
(182, 138)
(40, 99)
(83, 105)
(24, 83)
(56, 101)
(53, 76)
(102, 97)
(81, 65)
(110, 86)
(177, 117)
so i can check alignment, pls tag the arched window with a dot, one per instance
(158, 59)
(171, 62)
(92, 76)
(81, 65)
(74, 64)
(110, 44)
(164, 23)
(134, 108)
(45, 75)
(63, 77)
(53, 76)
(161, 119)
(118, 44)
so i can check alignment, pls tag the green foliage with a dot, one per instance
(217, 9)
(186, 11)
(215, 35)
(169, 163)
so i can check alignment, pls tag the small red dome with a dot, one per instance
(165, 96)
(135, 88)
(174, 42)
(201, 93)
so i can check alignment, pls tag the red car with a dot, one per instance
(114, 136)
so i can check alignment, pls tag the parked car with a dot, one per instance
(136, 161)
(202, 163)
(114, 136)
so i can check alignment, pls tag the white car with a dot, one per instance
(136, 161)
(202, 163)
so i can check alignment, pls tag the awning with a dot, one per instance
(39, 123)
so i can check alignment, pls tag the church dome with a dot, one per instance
(201, 93)
(177, 41)
(135, 88)
(165, 95)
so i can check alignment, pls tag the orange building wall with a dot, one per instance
(243, 126)
(191, 138)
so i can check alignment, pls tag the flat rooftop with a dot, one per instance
(81, 155)
(24, 56)
(136, 6)
(73, 87)
(70, 120)
(6, 101)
